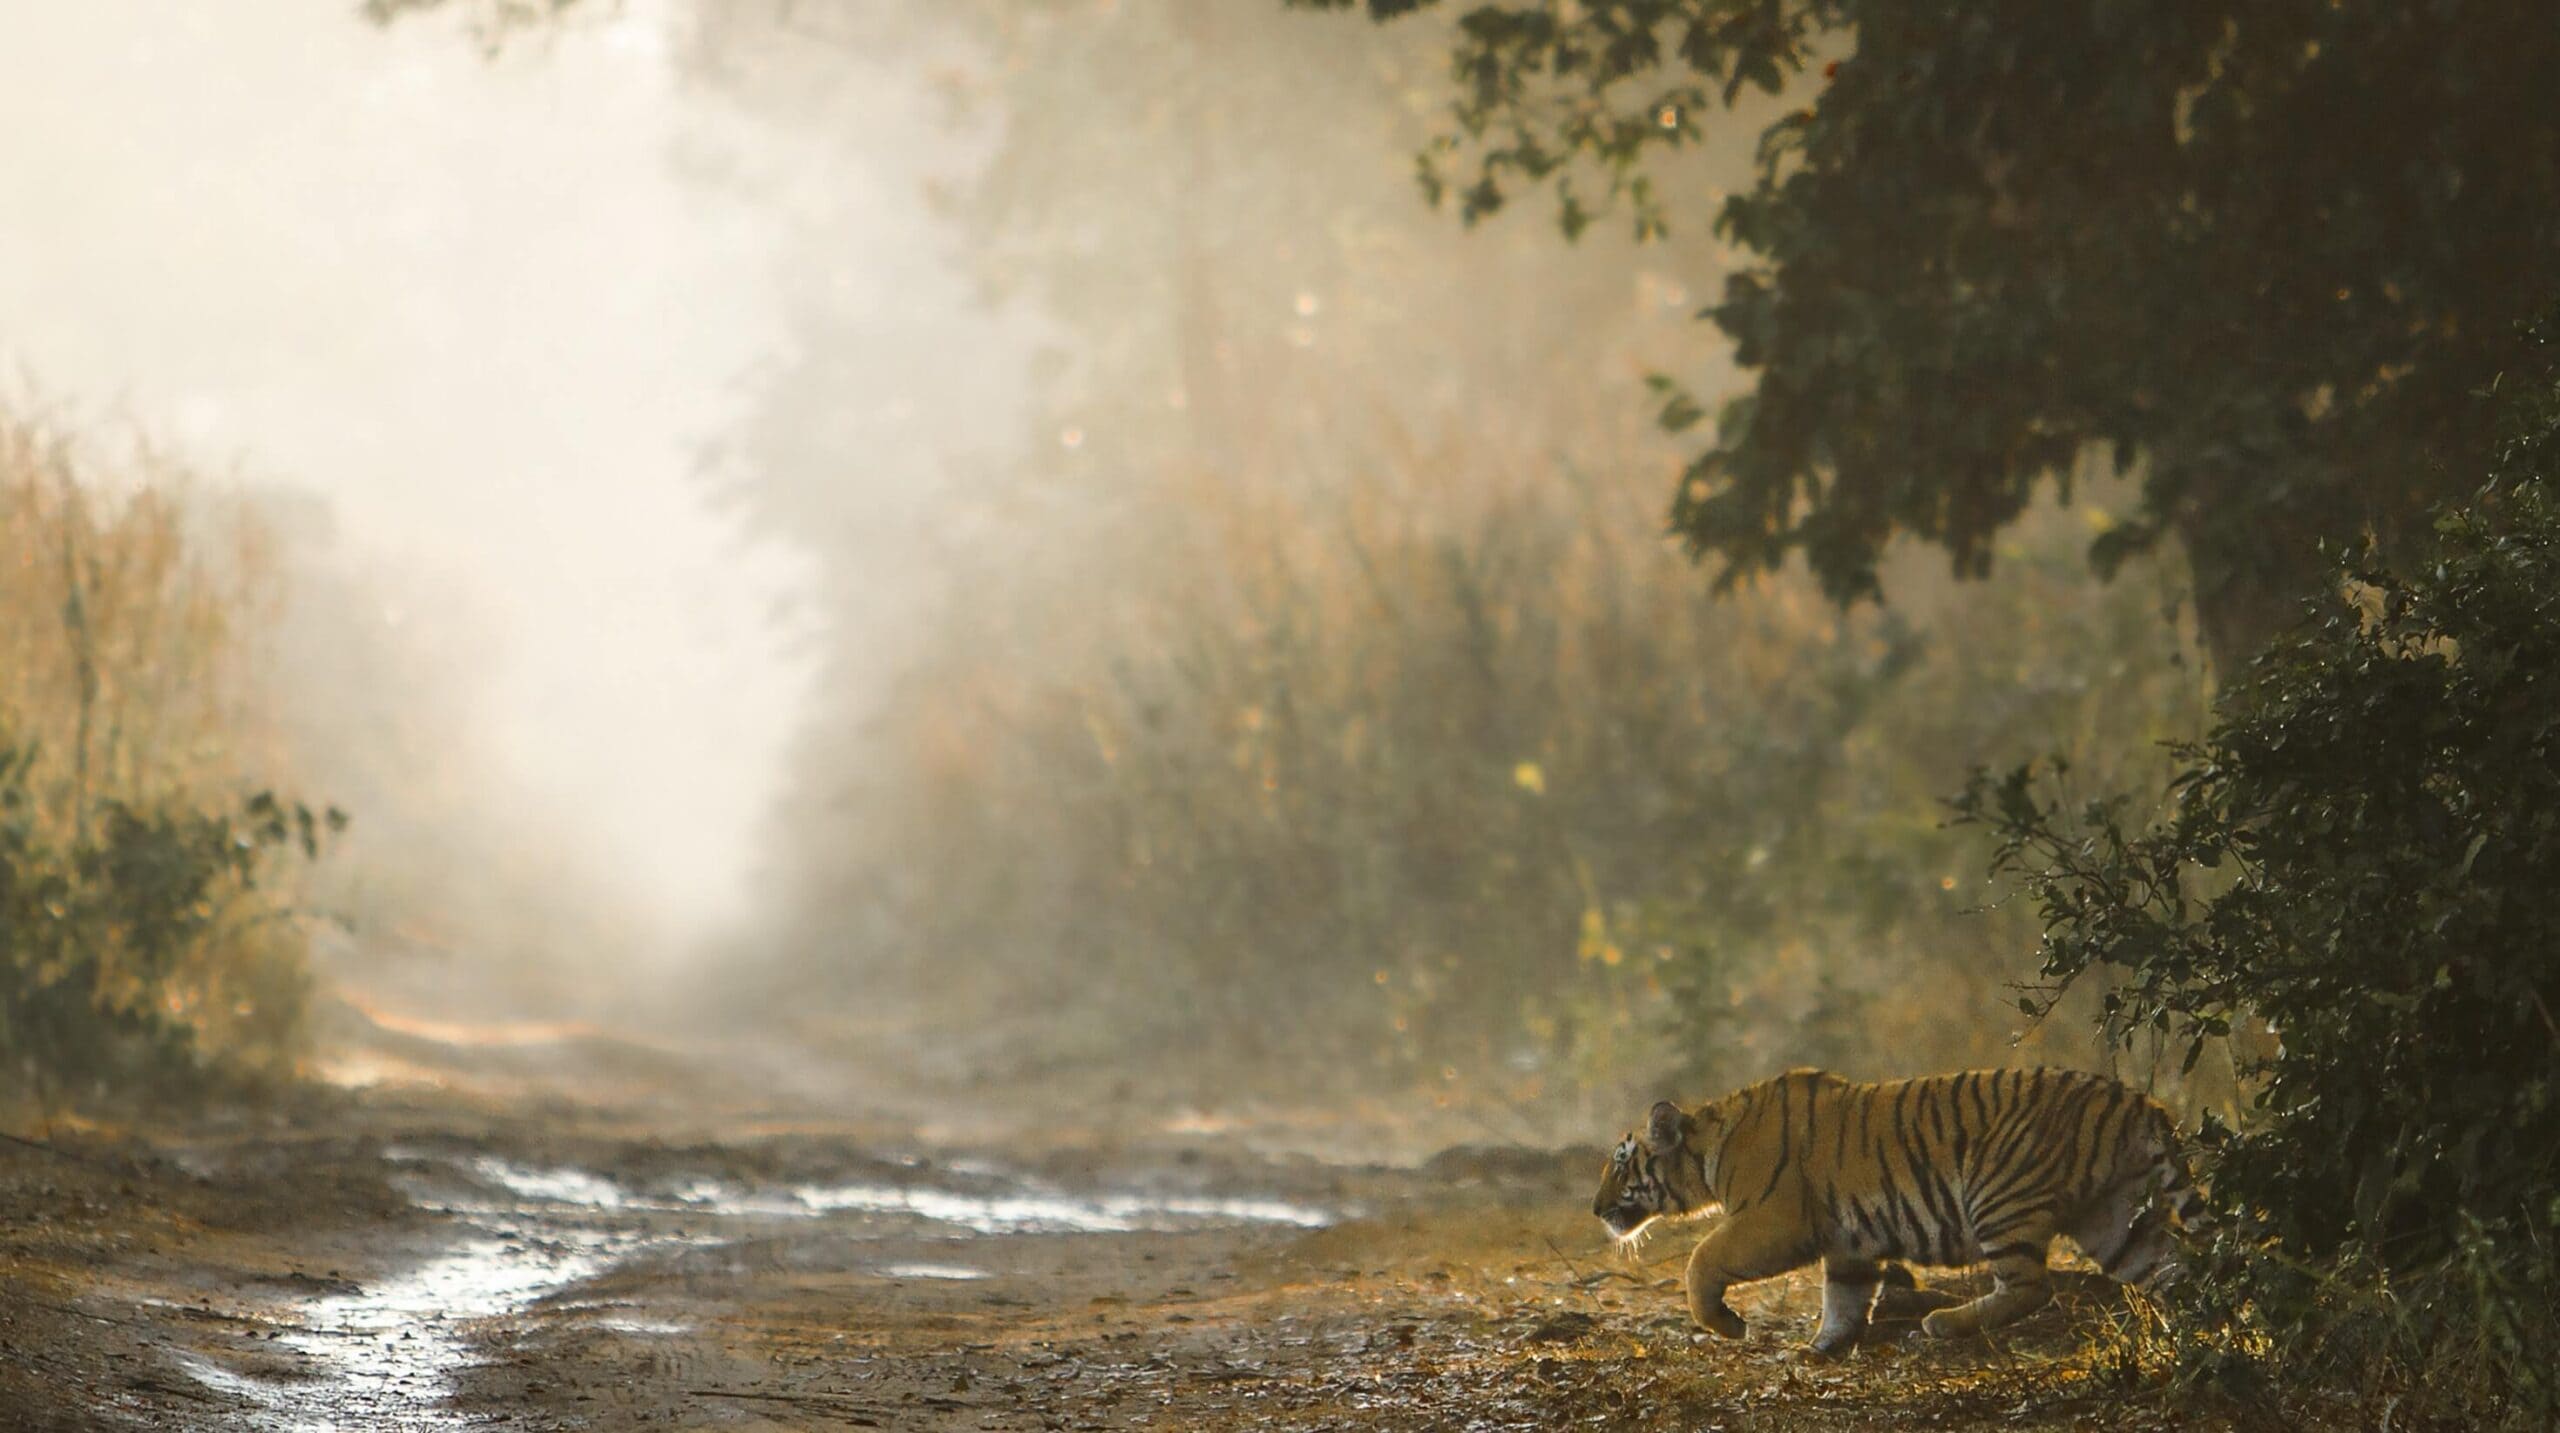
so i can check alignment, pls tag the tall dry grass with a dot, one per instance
(120, 627)
(1450, 770)
(126, 596)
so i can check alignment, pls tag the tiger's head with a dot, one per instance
(1653, 1174)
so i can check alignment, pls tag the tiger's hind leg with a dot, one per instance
(2149, 1250)
(2128, 1229)
(2021, 1285)
(2127, 1233)
(1848, 1295)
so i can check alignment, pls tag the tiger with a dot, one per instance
(1982, 1166)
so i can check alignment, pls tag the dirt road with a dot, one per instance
(432, 1260)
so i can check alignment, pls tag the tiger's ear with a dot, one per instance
(1666, 1127)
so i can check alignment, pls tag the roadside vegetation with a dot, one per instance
(2354, 867)
(1452, 779)
(151, 935)
(196, 675)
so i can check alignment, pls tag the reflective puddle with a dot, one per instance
(1017, 1207)
(554, 1186)
(929, 1271)
(387, 1356)
(643, 1328)
(1040, 1212)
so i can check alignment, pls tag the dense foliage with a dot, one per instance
(2259, 249)
(2361, 855)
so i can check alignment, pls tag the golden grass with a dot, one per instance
(130, 595)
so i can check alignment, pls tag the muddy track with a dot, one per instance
(442, 1262)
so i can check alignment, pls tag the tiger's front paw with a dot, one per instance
(1947, 1323)
(1720, 1321)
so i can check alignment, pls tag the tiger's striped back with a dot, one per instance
(1947, 1169)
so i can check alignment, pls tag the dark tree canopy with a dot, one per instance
(2264, 249)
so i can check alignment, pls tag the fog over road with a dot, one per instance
(472, 302)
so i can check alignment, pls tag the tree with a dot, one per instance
(2261, 250)
(1201, 205)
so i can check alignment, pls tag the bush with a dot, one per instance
(123, 940)
(2359, 860)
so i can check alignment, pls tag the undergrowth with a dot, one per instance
(2356, 863)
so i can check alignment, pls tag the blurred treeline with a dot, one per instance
(194, 677)
(1310, 686)
(1446, 772)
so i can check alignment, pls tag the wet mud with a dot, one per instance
(439, 1261)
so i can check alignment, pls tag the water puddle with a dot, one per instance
(929, 1271)
(728, 1201)
(386, 1356)
(550, 1186)
(1043, 1212)
(644, 1328)
(389, 1355)
(991, 1205)
(1020, 1207)
(1222, 1210)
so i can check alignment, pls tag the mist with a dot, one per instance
(960, 714)
(473, 306)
